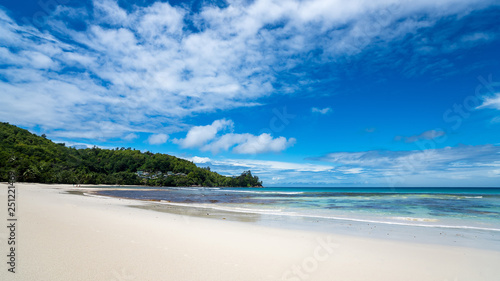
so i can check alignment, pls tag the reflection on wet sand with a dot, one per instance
(202, 212)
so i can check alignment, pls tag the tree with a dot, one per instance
(37, 159)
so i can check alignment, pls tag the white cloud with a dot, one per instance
(352, 171)
(225, 142)
(468, 162)
(451, 166)
(199, 135)
(207, 139)
(76, 144)
(108, 11)
(265, 165)
(271, 172)
(130, 136)
(321, 111)
(262, 144)
(159, 70)
(491, 102)
(477, 37)
(199, 160)
(157, 139)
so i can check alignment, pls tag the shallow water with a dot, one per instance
(466, 214)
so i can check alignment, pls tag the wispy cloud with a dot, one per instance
(264, 164)
(272, 172)
(144, 68)
(469, 163)
(491, 102)
(478, 37)
(452, 166)
(427, 135)
(131, 136)
(321, 111)
(444, 156)
(351, 170)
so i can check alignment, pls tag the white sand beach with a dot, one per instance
(62, 236)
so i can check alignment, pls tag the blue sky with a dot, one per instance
(303, 93)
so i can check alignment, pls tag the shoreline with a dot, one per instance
(439, 234)
(124, 185)
(67, 237)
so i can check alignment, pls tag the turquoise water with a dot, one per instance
(446, 208)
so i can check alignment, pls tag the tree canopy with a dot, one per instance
(36, 159)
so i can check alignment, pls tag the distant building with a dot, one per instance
(158, 174)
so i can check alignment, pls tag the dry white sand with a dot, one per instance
(70, 237)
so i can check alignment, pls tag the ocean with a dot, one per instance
(468, 215)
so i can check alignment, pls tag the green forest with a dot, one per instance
(35, 158)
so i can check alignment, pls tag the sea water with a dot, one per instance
(473, 213)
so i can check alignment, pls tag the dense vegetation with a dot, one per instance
(36, 159)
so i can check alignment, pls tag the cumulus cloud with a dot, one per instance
(249, 144)
(427, 135)
(157, 139)
(207, 139)
(199, 135)
(263, 143)
(321, 111)
(225, 142)
(148, 67)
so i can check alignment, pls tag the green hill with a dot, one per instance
(36, 159)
